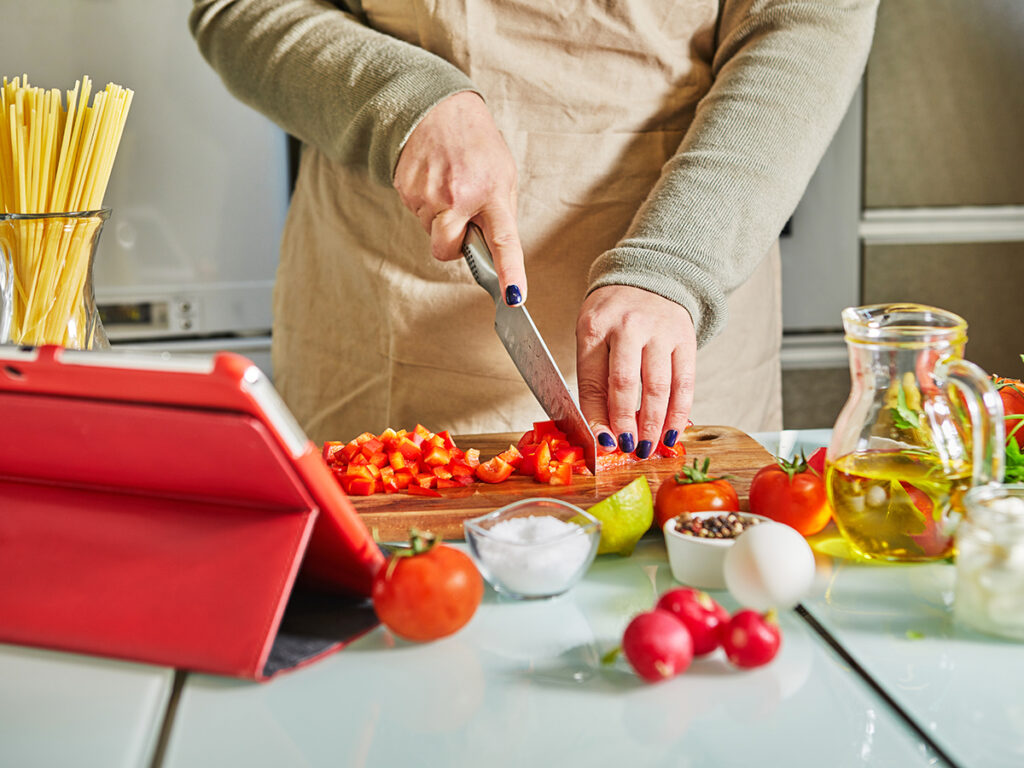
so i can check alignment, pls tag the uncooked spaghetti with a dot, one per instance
(55, 162)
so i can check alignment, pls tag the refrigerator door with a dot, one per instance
(199, 187)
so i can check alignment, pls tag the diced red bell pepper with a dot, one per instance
(447, 483)
(387, 479)
(542, 429)
(358, 460)
(442, 473)
(364, 437)
(403, 477)
(526, 440)
(351, 449)
(511, 456)
(446, 437)
(389, 437)
(370, 447)
(379, 459)
(332, 447)
(435, 455)
(561, 473)
(496, 470)
(359, 486)
(397, 460)
(417, 490)
(461, 469)
(568, 453)
(473, 457)
(408, 448)
(420, 434)
(543, 473)
(534, 459)
(674, 452)
(425, 480)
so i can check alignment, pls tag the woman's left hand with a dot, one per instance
(633, 344)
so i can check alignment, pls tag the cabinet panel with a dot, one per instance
(945, 104)
(979, 281)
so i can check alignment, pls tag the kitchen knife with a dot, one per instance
(528, 351)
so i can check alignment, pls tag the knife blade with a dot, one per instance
(528, 351)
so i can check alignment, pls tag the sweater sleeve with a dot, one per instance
(784, 73)
(323, 76)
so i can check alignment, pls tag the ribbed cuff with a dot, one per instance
(664, 275)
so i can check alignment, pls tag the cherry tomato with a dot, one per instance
(657, 645)
(1011, 392)
(427, 591)
(701, 615)
(751, 639)
(790, 492)
(693, 490)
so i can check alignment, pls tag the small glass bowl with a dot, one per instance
(525, 561)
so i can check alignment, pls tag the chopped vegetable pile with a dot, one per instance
(421, 462)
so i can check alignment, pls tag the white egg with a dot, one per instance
(769, 566)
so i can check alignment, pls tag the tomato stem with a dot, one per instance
(420, 542)
(694, 475)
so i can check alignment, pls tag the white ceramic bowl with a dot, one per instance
(544, 567)
(695, 561)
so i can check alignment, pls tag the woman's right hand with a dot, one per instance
(455, 168)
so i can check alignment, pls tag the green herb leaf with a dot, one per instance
(1014, 470)
(902, 416)
(913, 634)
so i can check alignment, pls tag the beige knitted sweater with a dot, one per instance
(784, 72)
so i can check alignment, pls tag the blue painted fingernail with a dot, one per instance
(606, 439)
(670, 438)
(512, 296)
(644, 449)
(626, 442)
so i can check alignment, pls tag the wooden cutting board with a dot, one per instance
(731, 451)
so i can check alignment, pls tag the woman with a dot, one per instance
(642, 154)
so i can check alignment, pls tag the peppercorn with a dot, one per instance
(724, 526)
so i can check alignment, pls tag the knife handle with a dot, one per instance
(478, 256)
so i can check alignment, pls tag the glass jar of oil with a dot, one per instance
(921, 426)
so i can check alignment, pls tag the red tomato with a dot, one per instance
(427, 591)
(790, 492)
(693, 490)
(1011, 392)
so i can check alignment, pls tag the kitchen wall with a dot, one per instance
(941, 217)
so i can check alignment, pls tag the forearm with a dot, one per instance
(324, 77)
(785, 71)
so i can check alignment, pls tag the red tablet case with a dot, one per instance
(159, 510)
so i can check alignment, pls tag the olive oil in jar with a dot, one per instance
(897, 505)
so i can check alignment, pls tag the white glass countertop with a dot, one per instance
(523, 685)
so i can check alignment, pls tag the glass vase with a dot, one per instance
(46, 288)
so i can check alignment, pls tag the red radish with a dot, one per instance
(657, 645)
(751, 639)
(703, 617)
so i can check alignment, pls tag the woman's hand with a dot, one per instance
(456, 168)
(632, 344)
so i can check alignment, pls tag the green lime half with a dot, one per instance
(625, 516)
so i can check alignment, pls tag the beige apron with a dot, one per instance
(592, 98)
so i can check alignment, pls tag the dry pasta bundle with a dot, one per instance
(55, 162)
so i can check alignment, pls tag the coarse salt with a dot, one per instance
(534, 556)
